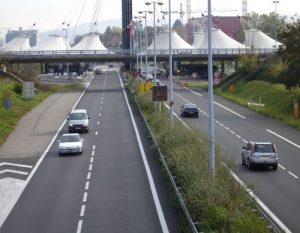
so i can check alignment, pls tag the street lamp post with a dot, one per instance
(211, 162)
(154, 42)
(68, 71)
(275, 2)
(170, 66)
(146, 42)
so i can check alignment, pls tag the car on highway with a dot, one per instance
(70, 144)
(260, 153)
(189, 110)
(78, 121)
(98, 71)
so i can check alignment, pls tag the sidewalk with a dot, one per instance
(36, 129)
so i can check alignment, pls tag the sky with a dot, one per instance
(49, 14)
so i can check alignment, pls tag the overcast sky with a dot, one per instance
(49, 14)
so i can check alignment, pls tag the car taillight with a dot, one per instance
(274, 149)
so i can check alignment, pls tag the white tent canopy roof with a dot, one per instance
(220, 40)
(20, 43)
(259, 40)
(53, 42)
(89, 42)
(162, 42)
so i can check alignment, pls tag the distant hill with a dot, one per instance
(82, 29)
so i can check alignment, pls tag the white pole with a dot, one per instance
(146, 50)
(211, 162)
(154, 44)
(137, 51)
(170, 66)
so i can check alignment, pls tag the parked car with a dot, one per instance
(78, 121)
(98, 71)
(189, 110)
(260, 153)
(70, 144)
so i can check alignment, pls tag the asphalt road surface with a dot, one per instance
(233, 127)
(109, 188)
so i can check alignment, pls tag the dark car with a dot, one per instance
(98, 71)
(189, 110)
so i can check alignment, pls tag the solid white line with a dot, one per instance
(232, 132)
(79, 226)
(147, 168)
(92, 160)
(182, 97)
(192, 91)
(262, 205)
(292, 143)
(94, 147)
(91, 167)
(82, 210)
(84, 199)
(217, 122)
(220, 105)
(227, 128)
(292, 174)
(238, 136)
(87, 185)
(93, 153)
(15, 165)
(179, 118)
(88, 177)
(282, 167)
(13, 171)
(245, 141)
(221, 124)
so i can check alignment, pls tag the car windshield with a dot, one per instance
(78, 116)
(190, 106)
(70, 138)
(264, 148)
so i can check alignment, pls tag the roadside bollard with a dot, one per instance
(296, 108)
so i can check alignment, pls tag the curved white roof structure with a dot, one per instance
(198, 38)
(52, 43)
(162, 42)
(220, 40)
(258, 40)
(90, 42)
(20, 43)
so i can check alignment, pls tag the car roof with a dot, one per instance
(190, 104)
(79, 111)
(70, 134)
(259, 142)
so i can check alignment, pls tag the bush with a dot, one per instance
(18, 88)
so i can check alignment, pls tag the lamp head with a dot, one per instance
(160, 3)
(147, 3)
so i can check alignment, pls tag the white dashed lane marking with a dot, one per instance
(79, 226)
(87, 185)
(88, 177)
(82, 210)
(84, 199)
(293, 175)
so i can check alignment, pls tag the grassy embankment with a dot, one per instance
(218, 204)
(278, 102)
(9, 119)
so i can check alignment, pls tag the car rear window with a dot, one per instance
(78, 116)
(190, 106)
(264, 148)
(70, 138)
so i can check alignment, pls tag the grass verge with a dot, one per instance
(217, 203)
(279, 102)
(9, 119)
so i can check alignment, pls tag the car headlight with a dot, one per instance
(71, 125)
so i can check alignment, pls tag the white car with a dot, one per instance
(70, 143)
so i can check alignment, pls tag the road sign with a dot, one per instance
(159, 93)
(7, 103)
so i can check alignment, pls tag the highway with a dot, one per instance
(114, 186)
(234, 126)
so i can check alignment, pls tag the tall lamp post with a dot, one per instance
(170, 66)
(146, 36)
(275, 2)
(139, 26)
(66, 28)
(211, 161)
(154, 43)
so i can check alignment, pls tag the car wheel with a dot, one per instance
(196, 115)
(243, 161)
(275, 166)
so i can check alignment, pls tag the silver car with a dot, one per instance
(78, 121)
(70, 143)
(260, 153)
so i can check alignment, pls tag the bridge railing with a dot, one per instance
(127, 52)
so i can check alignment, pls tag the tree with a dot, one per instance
(290, 54)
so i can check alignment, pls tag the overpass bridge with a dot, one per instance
(126, 55)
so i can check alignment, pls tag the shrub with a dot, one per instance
(18, 88)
